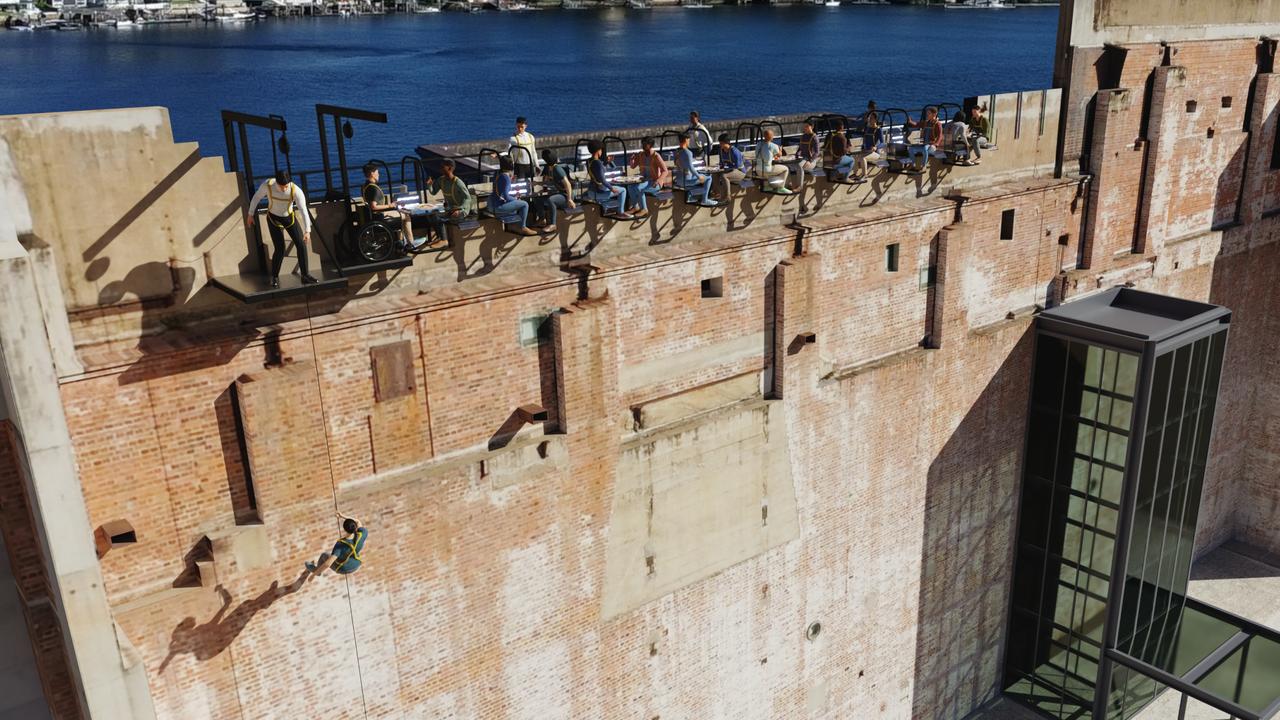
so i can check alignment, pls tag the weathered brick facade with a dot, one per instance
(512, 565)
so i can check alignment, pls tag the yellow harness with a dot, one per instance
(351, 543)
(272, 199)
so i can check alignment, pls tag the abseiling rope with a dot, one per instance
(355, 638)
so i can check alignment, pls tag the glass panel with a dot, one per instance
(1070, 501)
(1250, 676)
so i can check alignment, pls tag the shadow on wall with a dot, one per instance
(207, 640)
(971, 502)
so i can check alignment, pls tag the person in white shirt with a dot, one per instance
(286, 213)
(773, 173)
(958, 132)
(525, 159)
(699, 135)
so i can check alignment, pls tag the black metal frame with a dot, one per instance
(342, 117)
(235, 128)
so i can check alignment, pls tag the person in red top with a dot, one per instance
(652, 168)
(930, 137)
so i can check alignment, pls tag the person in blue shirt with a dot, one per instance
(689, 179)
(502, 202)
(345, 557)
(599, 189)
(732, 163)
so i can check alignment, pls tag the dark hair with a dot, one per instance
(871, 104)
(593, 146)
(959, 116)
(350, 525)
(684, 137)
(447, 163)
(505, 164)
(931, 109)
(548, 157)
(837, 126)
(369, 169)
(724, 138)
(646, 142)
(282, 177)
(695, 113)
(521, 120)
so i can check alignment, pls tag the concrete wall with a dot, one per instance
(1094, 23)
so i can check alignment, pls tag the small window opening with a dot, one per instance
(713, 287)
(1226, 102)
(1209, 134)
(113, 534)
(530, 329)
(813, 631)
(1064, 240)
(1006, 224)
(891, 257)
(1191, 106)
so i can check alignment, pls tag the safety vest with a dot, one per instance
(280, 206)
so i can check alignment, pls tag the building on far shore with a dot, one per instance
(933, 447)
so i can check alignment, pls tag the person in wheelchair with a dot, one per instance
(387, 212)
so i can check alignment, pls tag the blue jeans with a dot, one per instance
(845, 166)
(924, 151)
(636, 195)
(689, 184)
(611, 197)
(519, 207)
(550, 205)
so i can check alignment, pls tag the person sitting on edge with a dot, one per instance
(699, 134)
(523, 150)
(775, 174)
(958, 132)
(457, 198)
(687, 178)
(286, 212)
(930, 136)
(377, 202)
(345, 557)
(559, 185)
(870, 152)
(870, 127)
(599, 188)
(980, 126)
(835, 155)
(732, 163)
(652, 168)
(502, 202)
(808, 153)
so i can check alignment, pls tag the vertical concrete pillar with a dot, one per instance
(794, 323)
(109, 687)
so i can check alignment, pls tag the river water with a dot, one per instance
(450, 76)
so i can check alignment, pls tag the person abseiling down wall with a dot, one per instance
(286, 212)
(345, 557)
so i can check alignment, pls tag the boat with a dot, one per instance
(236, 17)
(574, 5)
(639, 4)
(832, 3)
(982, 5)
(694, 4)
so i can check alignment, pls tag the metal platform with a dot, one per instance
(254, 288)
(366, 268)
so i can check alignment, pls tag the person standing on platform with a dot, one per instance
(700, 136)
(287, 212)
(523, 150)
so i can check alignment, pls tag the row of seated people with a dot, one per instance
(513, 199)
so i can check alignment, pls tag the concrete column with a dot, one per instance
(110, 687)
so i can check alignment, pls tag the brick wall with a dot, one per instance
(903, 422)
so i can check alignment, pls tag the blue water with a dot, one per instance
(448, 77)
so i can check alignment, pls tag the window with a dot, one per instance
(113, 534)
(1226, 102)
(1006, 224)
(1191, 106)
(713, 287)
(891, 257)
(1064, 240)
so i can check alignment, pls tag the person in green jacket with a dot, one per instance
(457, 198)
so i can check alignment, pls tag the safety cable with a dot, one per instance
(337, 510)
